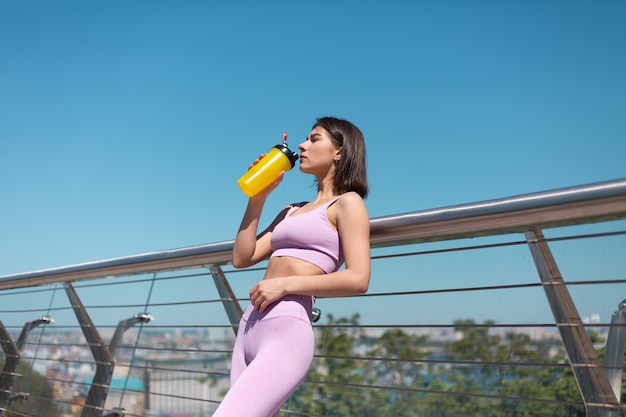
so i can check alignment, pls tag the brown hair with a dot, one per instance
(351, 170)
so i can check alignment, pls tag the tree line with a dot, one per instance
(400, 374)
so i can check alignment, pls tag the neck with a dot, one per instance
(325, 186)
(325, 191)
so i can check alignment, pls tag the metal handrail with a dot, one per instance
(555, 208)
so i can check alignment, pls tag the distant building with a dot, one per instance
(128, 394)
(171, 382)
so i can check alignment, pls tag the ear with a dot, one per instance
(338, 154)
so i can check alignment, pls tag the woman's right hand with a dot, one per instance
(267, 190)
(256, 161)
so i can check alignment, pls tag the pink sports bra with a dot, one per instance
(309, 236)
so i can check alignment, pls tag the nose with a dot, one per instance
(301, 146)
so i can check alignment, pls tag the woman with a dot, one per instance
(275, 344)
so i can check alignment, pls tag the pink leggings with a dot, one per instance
(272, 355)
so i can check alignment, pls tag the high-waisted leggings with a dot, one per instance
(271, 357)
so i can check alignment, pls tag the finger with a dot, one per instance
(253, 291)
(276, 182)
(255, 299)
(280, 177)
(256, 161)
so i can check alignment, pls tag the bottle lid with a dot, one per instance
(292, 156)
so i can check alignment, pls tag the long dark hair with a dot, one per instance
(351, 169)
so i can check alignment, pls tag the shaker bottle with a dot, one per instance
(266, 171)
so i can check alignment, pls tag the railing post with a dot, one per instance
(231, 305)
(124, 325)
(12, 360)
(597, 393)
(13, 356)
(614, 350)
(105, 358)
(105, 363)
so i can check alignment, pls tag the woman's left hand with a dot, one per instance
(266, 292)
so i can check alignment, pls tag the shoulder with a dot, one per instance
(350, 199)
(349, 203)
(350, 215)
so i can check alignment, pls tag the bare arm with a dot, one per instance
(249, 248)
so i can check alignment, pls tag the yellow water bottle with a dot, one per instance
(266, 171)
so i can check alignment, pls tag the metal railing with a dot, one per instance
(170, 333)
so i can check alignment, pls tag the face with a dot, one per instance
(318, 153)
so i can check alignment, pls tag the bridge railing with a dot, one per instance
(151, 334)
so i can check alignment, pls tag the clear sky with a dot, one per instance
(124, 125)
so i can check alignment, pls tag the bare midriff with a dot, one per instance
(283, 266)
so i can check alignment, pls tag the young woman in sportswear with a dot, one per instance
(275, 345)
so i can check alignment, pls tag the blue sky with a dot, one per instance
(125, 125)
